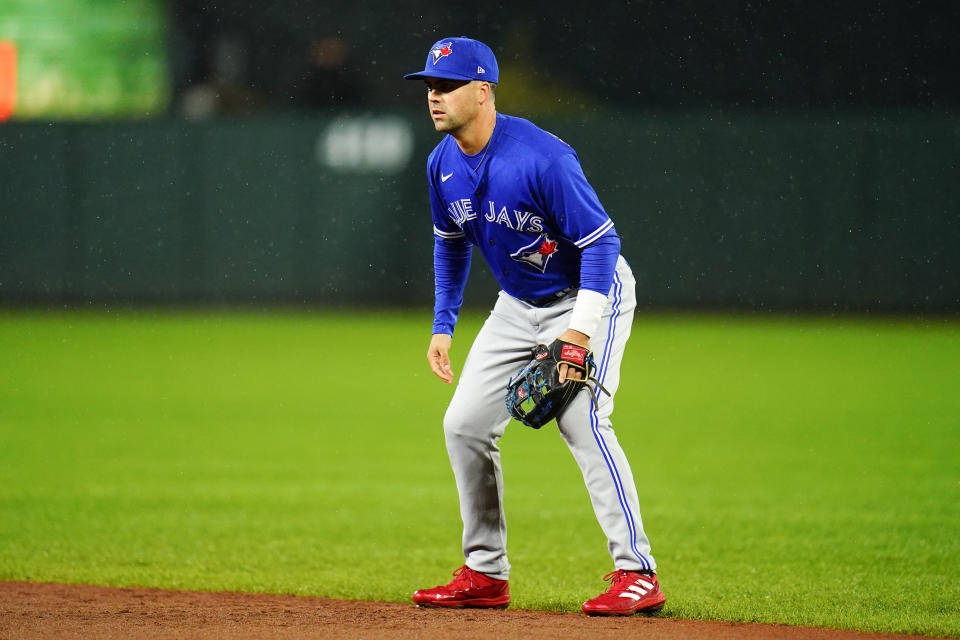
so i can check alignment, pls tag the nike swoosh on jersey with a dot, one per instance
(444, 178)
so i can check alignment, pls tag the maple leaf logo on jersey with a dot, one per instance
(441, 51)
(537, 254)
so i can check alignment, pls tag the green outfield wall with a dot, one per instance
(810, 211)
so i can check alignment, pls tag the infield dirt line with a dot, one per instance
(45, 610)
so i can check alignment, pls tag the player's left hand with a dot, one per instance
(577, 338)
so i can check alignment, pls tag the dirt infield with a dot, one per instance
(43, 610)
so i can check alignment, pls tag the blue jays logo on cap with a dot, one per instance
(440, 51)
(459, 59)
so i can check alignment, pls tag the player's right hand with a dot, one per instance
(438, 355)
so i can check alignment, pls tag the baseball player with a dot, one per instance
(519, 194)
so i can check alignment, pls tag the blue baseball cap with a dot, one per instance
(459, 59)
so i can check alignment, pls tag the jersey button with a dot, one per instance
(506, 272)
(492, 242)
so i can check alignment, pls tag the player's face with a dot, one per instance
(452, 103)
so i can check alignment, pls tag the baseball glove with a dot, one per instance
(535, 395)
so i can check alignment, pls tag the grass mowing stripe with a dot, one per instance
(790, 470)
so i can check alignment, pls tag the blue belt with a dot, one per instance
(547, 300)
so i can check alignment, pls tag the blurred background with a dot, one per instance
(788, 156)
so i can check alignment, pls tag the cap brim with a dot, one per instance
(445, 75)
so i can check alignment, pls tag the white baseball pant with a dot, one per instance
(477, 417)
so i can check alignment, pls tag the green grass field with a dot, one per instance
(794, 470)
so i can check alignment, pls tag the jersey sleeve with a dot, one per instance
(573, 203)
(443, 226)
(452, 253)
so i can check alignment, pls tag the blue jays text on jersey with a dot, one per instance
(524, 201)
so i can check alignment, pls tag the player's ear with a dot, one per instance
(486, 90)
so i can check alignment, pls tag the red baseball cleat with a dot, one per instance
(469, 588)
(629, 593)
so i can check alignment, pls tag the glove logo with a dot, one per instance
(441, 51)
(573, 353)
(537, 254)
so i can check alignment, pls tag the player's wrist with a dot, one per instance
(576, 337)
(587, 312)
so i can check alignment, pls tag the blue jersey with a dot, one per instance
(524, 202)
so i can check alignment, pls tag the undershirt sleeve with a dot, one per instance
(451, 265)
(598, 261)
